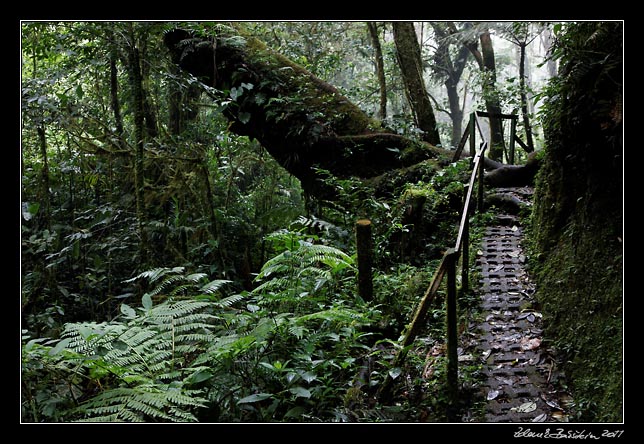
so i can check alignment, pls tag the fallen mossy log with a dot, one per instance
(501, 175)
(302, 121)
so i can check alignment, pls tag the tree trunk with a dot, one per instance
(491, 97)
(46, 198)
(524, 100)
(409, 60)
(303, 122)
(547, 42)
(136, 83)
(452, 72)
(380, 69)
(502, 175)
(114, 96)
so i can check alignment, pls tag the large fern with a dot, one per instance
(307, 267)
(143, 403)
(145, 358)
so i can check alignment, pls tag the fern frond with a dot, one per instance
(214, 286)
(230, 300)
(155, 274)
(165, 284)
(141, 404)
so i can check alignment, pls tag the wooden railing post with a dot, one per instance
(472, 135)
(479, 203)
(447, 266)
(364, 247)
(513, 131)
(452, 330)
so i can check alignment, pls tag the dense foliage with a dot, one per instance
(173, 271)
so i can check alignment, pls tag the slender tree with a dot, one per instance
(487, 64)
(380, 68)
(522, 34)
(451, 70)
(411, 68)
(547, 40)
(138, 107)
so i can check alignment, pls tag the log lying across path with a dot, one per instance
(501, 175)
(302, 121)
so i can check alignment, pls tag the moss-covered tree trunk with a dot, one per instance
(303, 122)
(578, 217)
(411, 68)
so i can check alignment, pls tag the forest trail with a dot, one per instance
(518, 372)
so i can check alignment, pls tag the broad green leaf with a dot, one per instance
(200, 376)
(395, 372)
(146, 301)
(236, 92)
(85, 332)
(308, 376)
(128, 311)
(255, 398)
(295, 412)
(300, 392)
(60, 346)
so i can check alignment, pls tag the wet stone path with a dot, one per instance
(517, 370)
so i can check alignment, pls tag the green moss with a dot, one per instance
(316, 95)
(575, 239)
(580, 291)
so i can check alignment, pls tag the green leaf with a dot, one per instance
(128, 311)
(295, 412)
(236, 92)
(60, 346)
(308, 376)
(200, 376)
(395, 372)
(255, 398)
(146, 301)
(85, 332)
(300, 392)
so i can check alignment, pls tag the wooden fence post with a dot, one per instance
(452, 327)
(513, 131)
(364, 246)
(479, 203)
(472, 135)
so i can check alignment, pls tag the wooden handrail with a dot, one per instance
(466, 206)
(446, 267)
